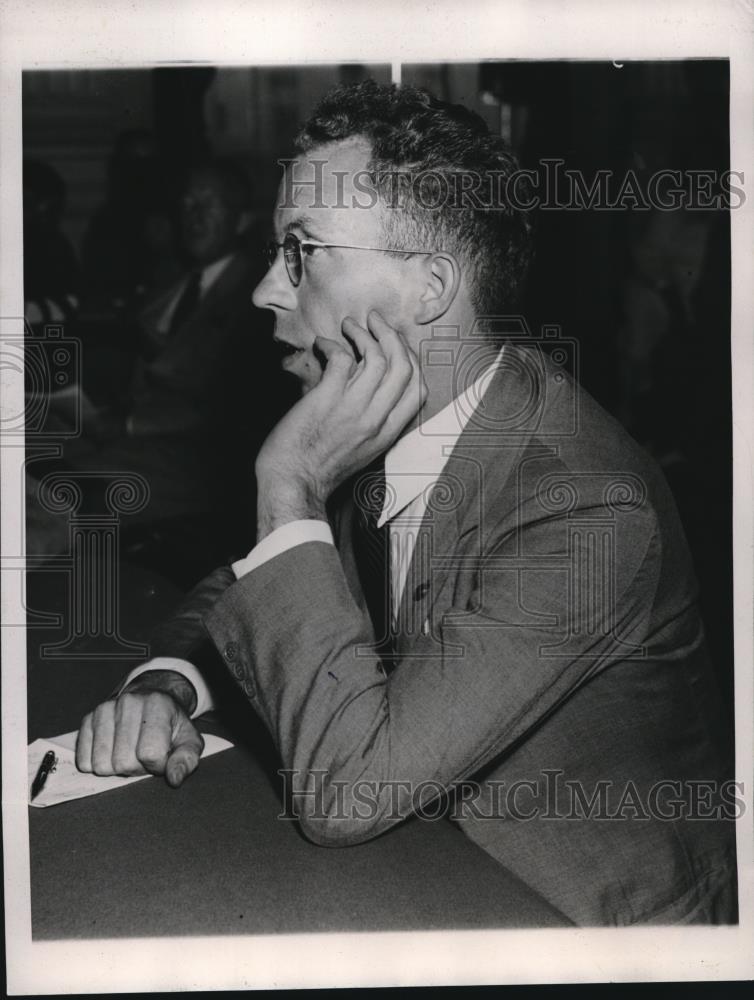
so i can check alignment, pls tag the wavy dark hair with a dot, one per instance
(443, 148)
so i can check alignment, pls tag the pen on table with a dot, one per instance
(49, 761)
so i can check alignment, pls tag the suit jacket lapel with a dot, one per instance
(153, 310)
(214, 299)
(456, 527)
(459, 519)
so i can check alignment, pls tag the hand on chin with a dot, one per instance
(350, 412)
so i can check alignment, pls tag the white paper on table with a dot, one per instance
(67, 782)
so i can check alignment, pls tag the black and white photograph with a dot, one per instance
(376, 494)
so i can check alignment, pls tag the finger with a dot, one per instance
(374, 365)
(399, 368)
(155, 732)
(128, 718)
(188, 744)
(84, 745)
(410, 403)
(339, 361)
(103, 730)
(356, 337)
(417, 376)
(391, 342)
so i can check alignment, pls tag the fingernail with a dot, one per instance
(179, 773)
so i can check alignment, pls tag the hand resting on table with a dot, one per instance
(146, 729)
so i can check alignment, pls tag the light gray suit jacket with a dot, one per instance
(550, 678)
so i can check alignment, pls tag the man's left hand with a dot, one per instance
(354, 414)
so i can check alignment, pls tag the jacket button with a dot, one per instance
(231, 651)
(421, 590)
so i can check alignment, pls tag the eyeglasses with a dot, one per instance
(293, 256)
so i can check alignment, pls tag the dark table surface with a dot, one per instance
(213, 857)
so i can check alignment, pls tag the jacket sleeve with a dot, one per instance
(183, 634)
(182, 639)
(362, 750)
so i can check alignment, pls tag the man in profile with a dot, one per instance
(468, 581)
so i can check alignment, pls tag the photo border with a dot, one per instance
(95, 34)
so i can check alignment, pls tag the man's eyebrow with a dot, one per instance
(302, 222)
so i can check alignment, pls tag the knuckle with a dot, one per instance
(150, 758)
(102, 723)
(157, 701)
(102, 712)
(371, 427)
(404, 372)
(123, 762)
(128, 700)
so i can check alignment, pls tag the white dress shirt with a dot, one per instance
(412, 467)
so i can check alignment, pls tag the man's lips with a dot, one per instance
(287, 349)
(285, 345)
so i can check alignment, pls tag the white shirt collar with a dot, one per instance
(417, 459)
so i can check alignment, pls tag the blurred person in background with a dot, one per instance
(205, 389)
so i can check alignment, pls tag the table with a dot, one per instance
(212, 857)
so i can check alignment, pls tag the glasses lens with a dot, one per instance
(292, 257)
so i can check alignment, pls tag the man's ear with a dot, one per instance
(442, 279)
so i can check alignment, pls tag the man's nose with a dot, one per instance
(275, 290)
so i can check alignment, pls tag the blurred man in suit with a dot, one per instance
(205, 388)
(468, 581)
(194, 339)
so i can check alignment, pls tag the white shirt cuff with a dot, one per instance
(204, 701)
(280, 540)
